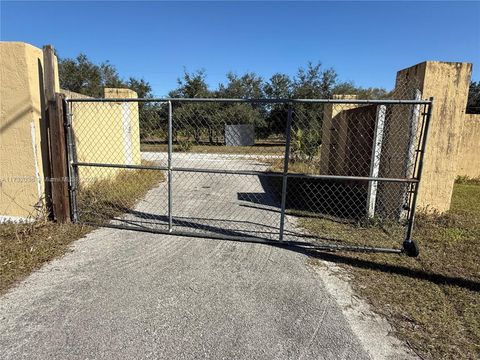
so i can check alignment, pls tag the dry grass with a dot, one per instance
(432, 301)
(467, 180)
(25, 247)
(298, 167)
(105, 199)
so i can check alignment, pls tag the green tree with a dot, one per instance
(279, 86)
(473, 103)
(80, 75)
(313, 82)
(247, 86)
(140, 86)
(195, 120)
(85, 77)
(371, 93)
(191, 85)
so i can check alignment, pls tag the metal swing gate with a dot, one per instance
(339, 174)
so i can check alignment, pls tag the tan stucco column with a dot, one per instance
(23, 141)
(448, 83)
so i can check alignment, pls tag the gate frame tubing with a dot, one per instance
(71, 157)
(169, 170)
(286, 161)
(409, 246)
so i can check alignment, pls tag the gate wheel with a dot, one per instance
(410, 248)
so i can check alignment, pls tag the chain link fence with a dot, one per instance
(336, 173)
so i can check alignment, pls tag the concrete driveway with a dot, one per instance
(211, 203)
(133, 295)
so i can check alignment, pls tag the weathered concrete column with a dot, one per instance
(469, 153)
(24, 163)
(129, 125)
(448, 83)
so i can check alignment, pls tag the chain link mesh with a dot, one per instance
(350, 169)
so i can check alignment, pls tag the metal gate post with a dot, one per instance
(72, 170)
(285, 170)
(409, 247)
(170, 191)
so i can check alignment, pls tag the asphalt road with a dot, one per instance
(134, 295)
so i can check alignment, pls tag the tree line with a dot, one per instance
(81, 75)
(204, 122)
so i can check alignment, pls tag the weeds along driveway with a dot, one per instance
(129, 295)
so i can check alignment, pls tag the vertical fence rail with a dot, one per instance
(73, 179)
(285, 170)
(170, 151)
(408, 244)
(375, 159)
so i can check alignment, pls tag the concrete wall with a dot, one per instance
(448, 83)
(23, 142)
(350, 140)
(453, 139)
(333, 148)
(469, 152)
(106, 132)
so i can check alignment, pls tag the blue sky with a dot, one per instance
(366, 42)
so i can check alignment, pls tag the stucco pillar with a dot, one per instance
(448, 83)
(23, 141)
(129, 126)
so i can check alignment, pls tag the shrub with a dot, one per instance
(305, 145)
(185, 145)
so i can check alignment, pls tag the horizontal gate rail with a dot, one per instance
(119, 166)
(269, 101)
(353, 178)
(244, 172)
(259, 240)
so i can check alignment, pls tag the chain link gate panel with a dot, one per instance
(324, 174)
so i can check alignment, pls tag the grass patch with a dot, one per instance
(467, 180)
(298, 167)
(26, 247)
(432, 301)
(104, 199)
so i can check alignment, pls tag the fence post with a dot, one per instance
(409, 246)
(71, 158)
(375, 159)
(57, 142)
(411, 154)
(170, 177)
(285, 170)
